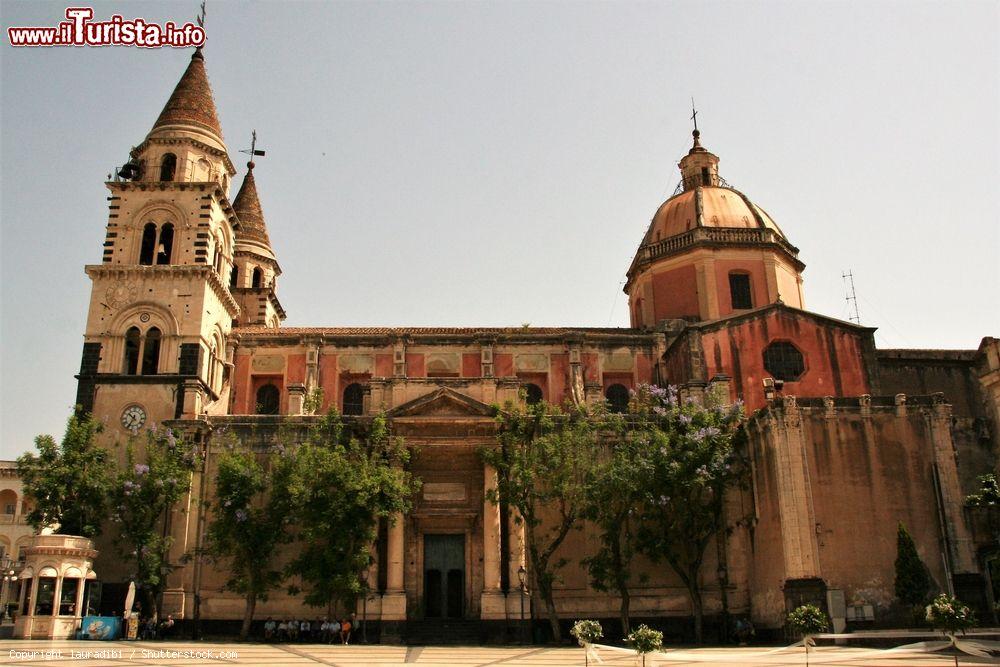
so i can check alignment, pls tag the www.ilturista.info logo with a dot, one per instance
(79, 30)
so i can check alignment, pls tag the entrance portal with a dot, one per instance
(444, 576)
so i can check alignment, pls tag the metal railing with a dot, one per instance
(728, 235)
(713, 180)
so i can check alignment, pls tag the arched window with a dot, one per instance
(618, 397)
(132, 351)
(532, 394)
(168, 167)
(234, 276)
(166, 245)
(148, 244)
(257, 275)
(784, 361)
(213, 364)
(268, 400)
(354, 399)
(739, 290)
(151, 352)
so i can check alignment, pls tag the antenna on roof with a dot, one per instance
(852, 297)
(253, 152)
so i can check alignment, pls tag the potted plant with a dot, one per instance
(587, 633)
(807, 620)
(951, 616)
(645, 640)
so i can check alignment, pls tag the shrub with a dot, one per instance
(645, 639)
(808, 620)
(950, 615)
(587, 632)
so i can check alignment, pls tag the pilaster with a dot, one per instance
(795, 504)
(962, 549)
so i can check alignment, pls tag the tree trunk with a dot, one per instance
(625, 617)
(248, 616)
(696, 607)
(550, 609)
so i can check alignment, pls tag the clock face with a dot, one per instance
(121, 294)
(133, 418)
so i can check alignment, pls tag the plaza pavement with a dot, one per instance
(101, 654)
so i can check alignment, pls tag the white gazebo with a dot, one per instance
(54, 586)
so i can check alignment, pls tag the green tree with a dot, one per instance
(341, 483)
(988, 494)
(913, 581)
(542, 462)
(68, 483)
(143, 495)
(250, 520)
(612, 493)
(692, 459)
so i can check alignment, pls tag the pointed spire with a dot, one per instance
(191, 102)
(248, 210)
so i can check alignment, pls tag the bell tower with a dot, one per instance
(160, 308)
(253, 280)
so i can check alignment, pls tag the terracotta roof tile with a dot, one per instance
(192, 102)
(248, 210)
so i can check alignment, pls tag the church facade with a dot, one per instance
(185, 329)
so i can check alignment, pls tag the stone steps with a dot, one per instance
(443, 631)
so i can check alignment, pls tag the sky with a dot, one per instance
(497, 163)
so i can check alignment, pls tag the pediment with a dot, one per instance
(442, 402)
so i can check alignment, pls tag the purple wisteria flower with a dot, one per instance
(141, 469)
(707, 432)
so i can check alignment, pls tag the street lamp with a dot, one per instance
(9, 577)
(520, 577)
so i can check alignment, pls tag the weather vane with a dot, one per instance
(694, 115)
(253, 147)
(200, 19)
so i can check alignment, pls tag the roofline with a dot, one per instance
(777, 305)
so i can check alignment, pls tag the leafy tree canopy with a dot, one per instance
(68, 483)
(341, 482)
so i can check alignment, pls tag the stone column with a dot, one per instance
(492, 599)
(192, 399)
(296, 398)
(394, 600)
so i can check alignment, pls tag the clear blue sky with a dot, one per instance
(495, 163)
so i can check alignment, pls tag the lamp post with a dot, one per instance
(520, 578)
(9, 577)
(364, 605)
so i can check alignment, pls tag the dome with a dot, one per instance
(708, 206)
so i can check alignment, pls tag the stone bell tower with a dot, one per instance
(161, 309)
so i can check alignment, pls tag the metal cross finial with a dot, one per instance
(200, 19)
(694, 114)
